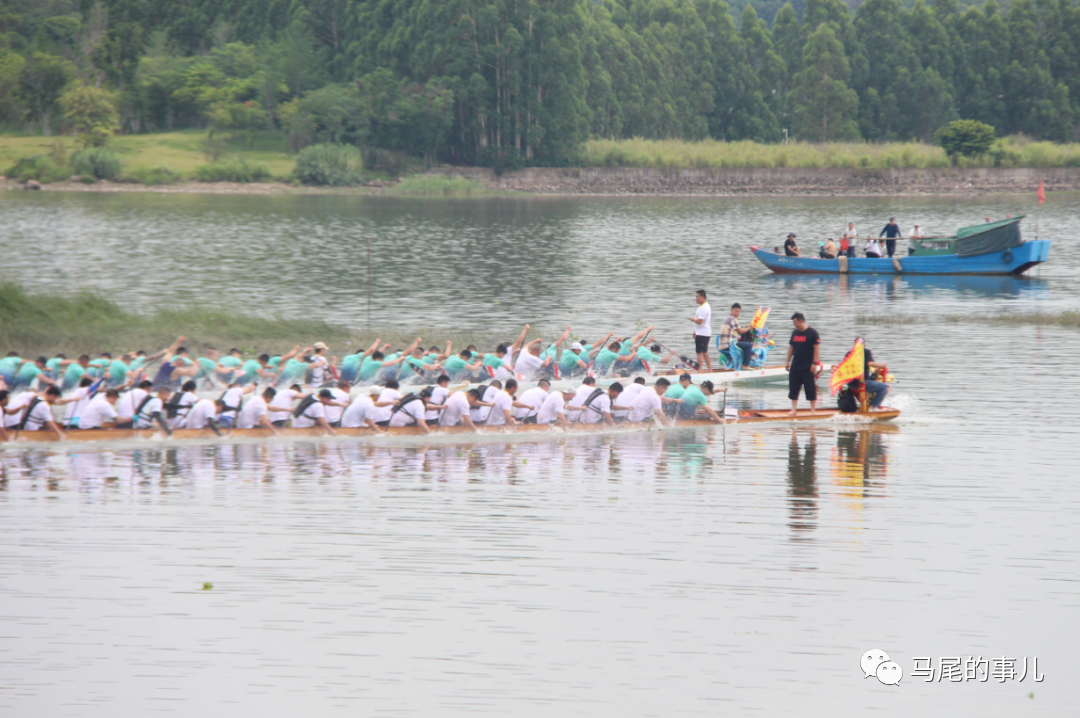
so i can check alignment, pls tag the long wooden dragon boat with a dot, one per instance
(226, 435)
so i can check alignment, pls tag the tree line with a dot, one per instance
(513, 82)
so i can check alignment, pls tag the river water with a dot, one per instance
(695, 572)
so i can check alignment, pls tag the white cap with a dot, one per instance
(576, 346)
(375, 390)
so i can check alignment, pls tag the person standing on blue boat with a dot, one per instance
(891, 233)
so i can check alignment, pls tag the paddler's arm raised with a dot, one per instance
(520, 340)
(599, 345)
(561, 340)
(446, 354)
(371, 349)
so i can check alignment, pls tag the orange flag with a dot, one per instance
(852, 367)
(1042, 193)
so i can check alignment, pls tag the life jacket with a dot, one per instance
(302, 407)
(408, 399)
(596, 393)
(26, 413)
(848, 401)
(173, 405)
(227, 408)
(142, 405)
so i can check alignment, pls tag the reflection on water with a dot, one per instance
(802, 475)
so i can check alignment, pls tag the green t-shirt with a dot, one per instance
(675, 391)
(370, 368)
(118, 371)
(137, 363)
(646, 354)
(73, 374)
(604, 359)
(692, 398)
(411, 366)
(351, 364)
(294, 371)
(231, 362)
(390, 357)
(101, 363)
(250, 371)
(569, 360)
(53, 364)
(274, 363)
(493, 361)
(27, 373)
(206, 367)
(454, 364)
(624, 349)
(8, 365)
(552, 351)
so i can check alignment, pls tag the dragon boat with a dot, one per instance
(987, 249)
(463, 432)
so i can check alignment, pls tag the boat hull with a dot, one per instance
(208, 436)
(1014, 261)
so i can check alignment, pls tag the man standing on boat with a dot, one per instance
(702, 330)
(891, 233)
(848, 240)
(803, 358)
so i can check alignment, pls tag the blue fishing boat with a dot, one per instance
(992, 248)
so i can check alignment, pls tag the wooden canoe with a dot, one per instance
(206, 435)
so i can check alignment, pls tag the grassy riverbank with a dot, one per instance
(44, 324)
(1068, 319)
(711, 154)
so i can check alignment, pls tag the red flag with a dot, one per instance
(1042, 193)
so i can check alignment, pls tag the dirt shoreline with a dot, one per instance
(629, 182)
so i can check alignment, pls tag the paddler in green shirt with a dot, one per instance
(694, 397)
(351, 365)
(672, 398)
(496, 359)
(458, 367)
(75, 371)
(100, 366)
(117, 373)
(232, 361)
(30, 371)
(650, 355)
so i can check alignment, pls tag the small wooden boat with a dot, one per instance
(208, 436)
(992, 248)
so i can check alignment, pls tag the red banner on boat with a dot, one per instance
(852, 367)
(1042, 193)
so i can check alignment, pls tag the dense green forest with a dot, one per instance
(512, 82)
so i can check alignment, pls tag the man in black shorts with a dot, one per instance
(803, 355)
(702, 330)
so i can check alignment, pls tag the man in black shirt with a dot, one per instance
(803, 355)
(890, 233)
(790, 248)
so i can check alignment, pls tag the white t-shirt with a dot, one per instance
(535, 398)
(76, 408)
(479, 414)
(645, 404)
(318, 371)
(39, 415)
(627, 399)
(527, 365)
(382, 413)
(438, 397)
(595, 413)
(17, 402)
(200, 414)
(850, 233)
(704, 311)
(872, 248)
(145, 420)
(502, 402)
(573, 409)
(457, 406)
(334, 413)
(186, 401)
(916, 232)
(411, 413)
(360, 410)
(99, 412)
(251, 413)
(281, 405)
(308, 418)
(129, 401)
(551, 408)
(233, 397)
